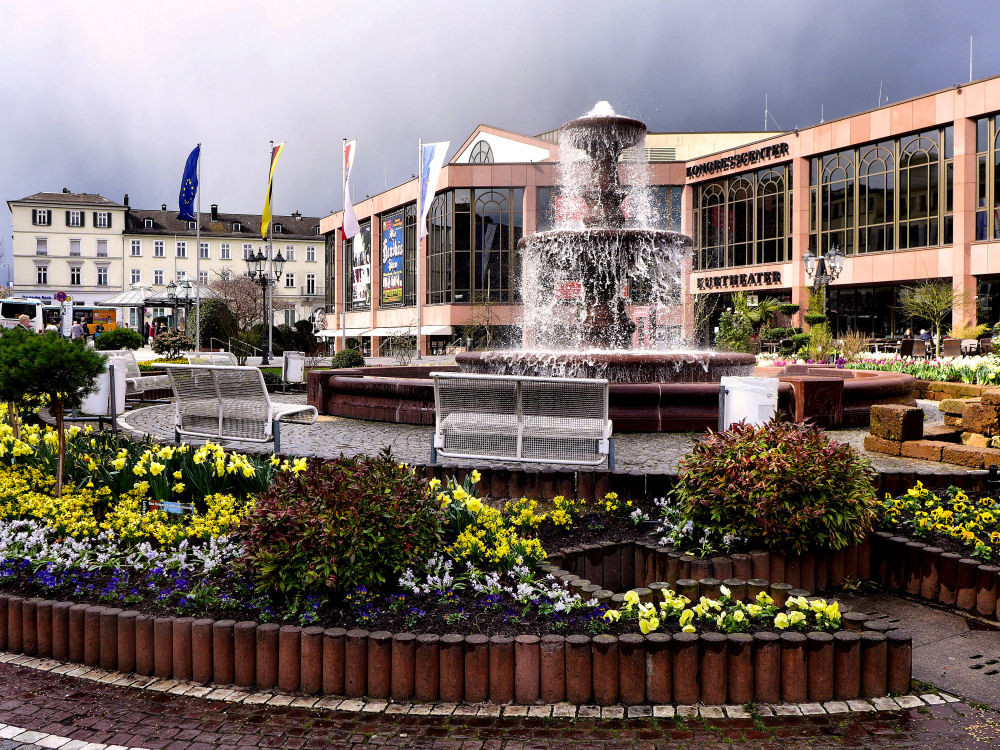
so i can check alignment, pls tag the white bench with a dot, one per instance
(522, 419)
(136, 384)
(229, 403)
(211, 358)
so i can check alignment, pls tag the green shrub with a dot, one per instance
(348, 358)
(800, 340)
(815, 318)
(788, 308)
(734, 333)
(783, 485)
(776, 334)
(119, 338)
(338, 525)
(170, 343)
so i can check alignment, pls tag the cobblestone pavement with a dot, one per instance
(68, 712)
(634, 452)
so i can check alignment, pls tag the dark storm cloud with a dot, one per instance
(110, 97)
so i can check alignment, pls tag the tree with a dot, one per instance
(217, 321)
(50, 366)
(170, 344)
(244, 298)
(931, 301)
(757, 316)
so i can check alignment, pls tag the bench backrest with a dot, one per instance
(131, 365)
(573, 398)
(227, 401)
(211, 358)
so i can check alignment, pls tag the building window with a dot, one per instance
(147, 223)
(225, 251)
(203, 251)
(74, 248)
(102, 276)
(481, 153)
(203, 277)
(290, 252)
(136, 248)
(41, 246)
(158, 276)
(236, 227)
(744, 219)
(247, 250)
(136, 275)
(310, 283)
(988, 178)
(290, 317)
(277, 228)
(289, 281)
(410, 255)
(102, 248)
(890, 195)
(74, 276)
(74, 218)
(310, 254)
(102, 219)
(42, 275)
(41, 217)
(158, 249)
(182, 250)
(192, 225)
(180, 275)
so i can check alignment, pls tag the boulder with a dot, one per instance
(982, 419)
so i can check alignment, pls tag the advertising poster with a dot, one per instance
(361, 267)
(392, 259)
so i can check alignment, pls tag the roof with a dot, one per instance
(82, 199)
(167, 223)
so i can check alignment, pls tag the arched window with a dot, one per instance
(712, 225)
(481, 153)
(918, 191)
(876, 192)
(740, 222)
(837, 188)
(770, 217)
(492, 249)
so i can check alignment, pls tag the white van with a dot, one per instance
(11, 309)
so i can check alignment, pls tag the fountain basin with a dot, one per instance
(638, 367)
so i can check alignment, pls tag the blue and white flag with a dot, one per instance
(432, 156)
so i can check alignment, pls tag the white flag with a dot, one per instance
(350, 227)
(432, 158)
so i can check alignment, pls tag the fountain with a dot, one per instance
(583, 285)
(604, 256)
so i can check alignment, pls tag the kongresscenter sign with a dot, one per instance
(743, 159)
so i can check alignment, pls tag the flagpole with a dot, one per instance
(420, 244)
(343, 251)
(270, 257)
(197, 263)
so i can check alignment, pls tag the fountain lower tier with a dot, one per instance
(653, 367)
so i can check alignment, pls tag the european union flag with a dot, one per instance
(189, 185)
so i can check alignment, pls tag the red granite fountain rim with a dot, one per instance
(713, 359)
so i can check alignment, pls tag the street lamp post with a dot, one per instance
(259, 273)
(825, 267)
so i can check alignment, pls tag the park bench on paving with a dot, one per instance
(229, 403)
(136, 384)
(211, 358)
(522, 419)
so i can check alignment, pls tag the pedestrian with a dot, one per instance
(52, 327)
(76, 331)
(24, 321)
(98, 330)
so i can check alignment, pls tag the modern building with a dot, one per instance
(91, 248)
(496, 188)
(908, 192)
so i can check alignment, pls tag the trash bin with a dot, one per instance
(98, 403)
(754, 400)
(293, 369)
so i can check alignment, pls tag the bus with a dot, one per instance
(14, 307)
(90, 316)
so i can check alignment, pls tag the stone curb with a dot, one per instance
(560, 710)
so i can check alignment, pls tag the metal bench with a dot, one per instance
(211, 358)
(522, 419)
(229, 403)
(136, 384)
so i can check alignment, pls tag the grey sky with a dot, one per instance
(110, 97)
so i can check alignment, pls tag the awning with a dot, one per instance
(332, 333)
(436, 331)
(392, 331)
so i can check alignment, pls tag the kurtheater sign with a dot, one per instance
(738, 280)
(745, 159)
